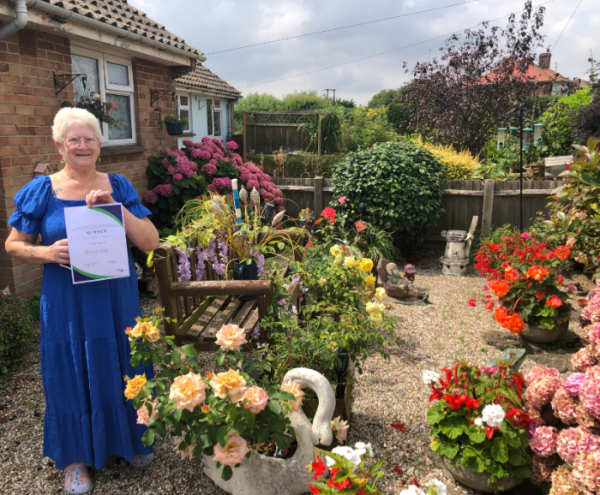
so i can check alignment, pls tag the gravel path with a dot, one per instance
(388, 391)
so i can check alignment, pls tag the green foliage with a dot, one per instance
(587, 121)
(362, 128)
(330, 133)
(393, 186)
(398, 117)
(33, 305)
(385, 97)
(296, 165)
(176, 118)
(16, 331)
(380, 243)
(498, 163)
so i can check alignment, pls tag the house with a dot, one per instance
(53, 52)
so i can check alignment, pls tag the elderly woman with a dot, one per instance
(84, 348)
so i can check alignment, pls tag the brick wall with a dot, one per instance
(27, 108)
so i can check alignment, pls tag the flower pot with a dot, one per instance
(477, 481)
(174, 128)
(540, 335)
(244, 271)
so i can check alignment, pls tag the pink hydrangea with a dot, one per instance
(585, 419)
(573, 382)
(589, 392)
(205, 139)
(165, 190)
(563, 483)
(572, 441)
(544, 439)
(541, 468)
(196, 153)
(179, 153)
(150, 197)
(166, 162)
(252, 184)
(583, 359)
(591, 313)
(564, 406)
(593, 335)
(542, 383)
(586, 470)
(222, 183)
(209, 169)
(172, 169)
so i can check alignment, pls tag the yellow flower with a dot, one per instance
(376, 317)
(322, 281)
(335, 250)
(380, 293)
(338, 259)
(145, 329)
(371, 307)
(350, 262)
(369, 280)
(135, 386)
(229, 384)
(366, 265)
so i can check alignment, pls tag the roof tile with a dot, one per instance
(203, 78)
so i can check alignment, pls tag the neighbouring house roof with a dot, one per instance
(534, 72)
(120, 14)
(203, 78)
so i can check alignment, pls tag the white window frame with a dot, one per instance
(187, 107)
(214, 111)
(113, 89)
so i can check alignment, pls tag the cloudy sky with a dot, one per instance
(223, 24)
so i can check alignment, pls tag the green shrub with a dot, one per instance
(395, 186)
(296, 165)
(16, 331)
(33, 305)
(362, 128)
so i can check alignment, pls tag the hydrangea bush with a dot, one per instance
(178, 176)
(478, 420)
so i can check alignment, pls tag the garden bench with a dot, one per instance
(554, 165)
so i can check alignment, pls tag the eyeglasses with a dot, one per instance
(75, 142)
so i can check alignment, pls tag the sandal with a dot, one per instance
(140, 461)
(77, 479)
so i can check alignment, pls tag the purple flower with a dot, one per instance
(209, 169)
(256, 332)
(281, 302)
(166, 162)
(200, 267)
(184, 267)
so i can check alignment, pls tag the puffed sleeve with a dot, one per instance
(31, 202)
(127, 195)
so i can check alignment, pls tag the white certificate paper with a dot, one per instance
(97, 243)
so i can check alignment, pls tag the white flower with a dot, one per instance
(493, 415)
(348, 452)
(440, 488)
(340, 428)
(365, 447)
(430, 377)
(412, 490)
(478, 421)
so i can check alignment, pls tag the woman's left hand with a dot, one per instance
(98, 197)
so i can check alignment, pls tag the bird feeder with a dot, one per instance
(514, 132)
(527, 135)
(501, 137)
(537, 134)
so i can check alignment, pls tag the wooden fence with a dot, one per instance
(495, 202)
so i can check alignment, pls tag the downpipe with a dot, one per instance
(19, 22)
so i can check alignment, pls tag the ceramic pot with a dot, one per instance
(477, 481)
(244, 271)
(540, 335)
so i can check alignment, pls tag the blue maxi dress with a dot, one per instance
(84, 349)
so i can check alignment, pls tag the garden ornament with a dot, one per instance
(458, 246)
(398, 285)
(409, 272)
(259, 474)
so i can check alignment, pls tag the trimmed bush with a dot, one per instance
(460, 165)
(395, 186)
(16, 331)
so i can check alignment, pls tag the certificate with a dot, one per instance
(97, 242)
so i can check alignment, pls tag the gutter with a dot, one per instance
(123, 34)
(19, 22)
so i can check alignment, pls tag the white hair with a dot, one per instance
(66, 117)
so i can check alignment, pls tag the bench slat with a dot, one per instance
(222, 319)
(250, 325)
(207, 316)
(243, 313)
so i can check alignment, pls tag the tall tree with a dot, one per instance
(477, 82)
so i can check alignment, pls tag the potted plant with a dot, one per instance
(101, 110)
(478, 426)
(175, 125)
(523, 272)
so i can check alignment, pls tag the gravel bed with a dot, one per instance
(388, 391)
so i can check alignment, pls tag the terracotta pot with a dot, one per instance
(540, 335)
(478, 481)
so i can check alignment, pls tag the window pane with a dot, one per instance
(122, 114)
(89, 67)
(118, 74)
(185, 114)
(183, 101)
(217, 123)
(209, 117)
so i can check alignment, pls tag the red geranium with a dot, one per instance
(562, 252)
(329, 214)
(500, 287)
(554, 301)
(319, 468)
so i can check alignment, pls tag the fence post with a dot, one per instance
(319, 138)
(488, 207)
(245, 137)
(318, 195)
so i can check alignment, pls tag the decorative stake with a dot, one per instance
(255, 197)
(243, 195)
(236, 202)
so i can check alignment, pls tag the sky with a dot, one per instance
(223, 24)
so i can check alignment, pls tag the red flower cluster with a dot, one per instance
(329, 214)
(512, 322)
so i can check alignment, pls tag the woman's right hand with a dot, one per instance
(59, 252)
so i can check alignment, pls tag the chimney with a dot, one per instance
(544, 62)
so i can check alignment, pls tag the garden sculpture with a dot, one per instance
(398, 285)
(458, 246)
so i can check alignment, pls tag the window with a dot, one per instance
(213, 117)
(183, 109)
(112, 78)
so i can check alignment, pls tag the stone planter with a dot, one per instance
(540, 335)
(477, 481)
(261, 475)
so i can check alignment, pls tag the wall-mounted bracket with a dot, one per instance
(61, 81)
(157, 95)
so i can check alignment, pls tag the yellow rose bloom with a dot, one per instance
(338, 259)
(376, 317)
(380, 293)
(229, 384)
(335, 250)
(135, 386)
(366, 265)
(369, 280)
(372, 307)
(350, 262)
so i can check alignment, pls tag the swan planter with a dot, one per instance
(259, 474)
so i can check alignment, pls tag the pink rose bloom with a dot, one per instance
(150, 197)
(255, 399)
(525, 235)
(583, 359)
(544, 440)
(342, 200)
(231, 337)
(188, 391)
(178, 177)
(143, 416)
(586, 471)
(572, 441)
(573, 382)
(234, 451)
(564, 406)
(294, 389)
(232, 145)
(541, 468)
(589, 392)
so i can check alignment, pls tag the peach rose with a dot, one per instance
(143, 416)
(255, 399)
(234, 451)
(188, 391)
(231, 337)
(229, 384)
(134, 386)
(294, 389)
(188, 452)
(143, 329)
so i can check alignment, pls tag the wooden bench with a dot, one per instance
(201, 308)
(554, 165)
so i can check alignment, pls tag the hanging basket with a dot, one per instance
(174, 128)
